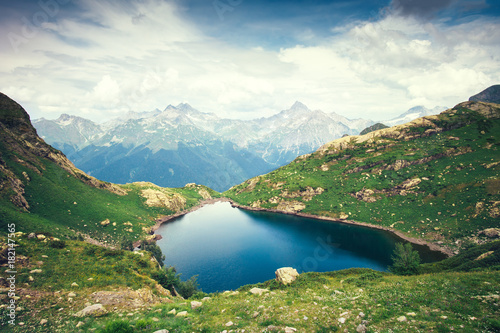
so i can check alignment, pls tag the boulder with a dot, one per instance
(491, 232)
(286, 275)
(196, 304)
(182, 314)
(105, 222)
(95, 310)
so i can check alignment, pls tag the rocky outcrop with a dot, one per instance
(491, 232)
(372, 128)
(131, 298)
(164, 198)
(306, 195)
(258, 291)
(291, 206)
(489, 95)
(251, 185)
(20, 137)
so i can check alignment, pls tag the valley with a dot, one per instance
(181, 145)
(434, 179)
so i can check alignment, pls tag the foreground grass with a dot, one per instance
(326, 302)
(444, 301)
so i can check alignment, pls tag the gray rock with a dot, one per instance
(361, 328)
(95, 310)
(196, 304)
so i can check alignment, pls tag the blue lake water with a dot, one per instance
(229, 247)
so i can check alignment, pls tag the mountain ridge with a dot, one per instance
(267, 142)
(383, 177)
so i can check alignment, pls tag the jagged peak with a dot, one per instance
(299, 105)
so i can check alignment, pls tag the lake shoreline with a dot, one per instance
(168, 218)
(413, 240)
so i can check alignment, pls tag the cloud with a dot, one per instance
(420, 8)
(109, 57)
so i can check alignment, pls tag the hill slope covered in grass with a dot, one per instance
(42, 192)
(435, 178)
(450, 299)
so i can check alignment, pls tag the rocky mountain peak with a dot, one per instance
(14, 116)
(489, 95)
(64, 117)
(299, 106)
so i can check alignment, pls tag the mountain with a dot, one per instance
(489, 95)
(69, 133)
(182, 145)
(372, 128)
(413, 113)
(434, 178)
(42, 191)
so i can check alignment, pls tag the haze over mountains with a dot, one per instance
(182, 145)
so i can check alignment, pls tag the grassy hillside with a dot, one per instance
(435, 178)
(42, 192)
(450, 299)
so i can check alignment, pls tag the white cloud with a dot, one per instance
(116, 58)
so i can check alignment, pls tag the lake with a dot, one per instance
(229, 247)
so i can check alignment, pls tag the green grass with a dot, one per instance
(63, 206)
(91, 267)
(441, 208)
(316, 302)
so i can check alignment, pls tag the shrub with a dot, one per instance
(143, 324)
(169, 279)
(126, 244)
(405, 261)
(58, 244)
(118, 326)
(155, 250)
(188, 288)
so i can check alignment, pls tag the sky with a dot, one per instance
(245, 59)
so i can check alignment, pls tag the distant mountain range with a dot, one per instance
(414, 113)
(182, 145)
